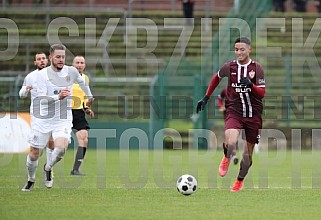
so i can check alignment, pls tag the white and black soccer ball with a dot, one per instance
(186, 184)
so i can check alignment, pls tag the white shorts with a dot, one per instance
(39, 139)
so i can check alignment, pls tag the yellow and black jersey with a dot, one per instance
(79, 97)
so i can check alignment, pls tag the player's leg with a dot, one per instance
(232, 131)
(231, 136)
(61, 144)
(234, 156)
(246, 161)
(245, 165)
(61, 139)
(49, 149)
(252, 135)
(82, 138)
(80, 127)
(37, 142)
(32, 164)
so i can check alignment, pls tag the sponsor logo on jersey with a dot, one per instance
(261, 81)
(243, 90)
(240, 89)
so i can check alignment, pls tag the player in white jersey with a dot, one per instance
(52, 107)
(30, 85)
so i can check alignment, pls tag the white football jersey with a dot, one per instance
(49, 111)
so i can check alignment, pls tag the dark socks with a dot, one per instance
(81, 151)
(245, 165)
(228, 150)
(224, 149)
(240, 178)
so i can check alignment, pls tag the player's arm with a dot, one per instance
(210, 89)
(25, 89)
(88, 110)
(258, 92)
(85, 106)
(83, 85)
(23, 92)
(220, 103)
(258, 89)
(213, 84)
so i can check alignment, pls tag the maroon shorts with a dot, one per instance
(250, 127)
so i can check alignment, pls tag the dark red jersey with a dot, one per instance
(240, 99)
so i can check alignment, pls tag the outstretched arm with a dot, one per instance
(213, 84)
(84, 86)
(210, 89)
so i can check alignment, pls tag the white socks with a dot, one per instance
(48, 154)
(31, 167)
(56, 156)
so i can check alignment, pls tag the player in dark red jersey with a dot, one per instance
(221, 101)
(244, 107)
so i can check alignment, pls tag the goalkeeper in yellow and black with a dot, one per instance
(79, 111)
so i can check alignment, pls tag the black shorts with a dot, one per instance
(79, 121)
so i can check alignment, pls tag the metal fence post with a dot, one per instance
(288, 85)
(27, 56)
(130, 2)
(195, 116)
(47, 12)
(16, 85)
(151, 112)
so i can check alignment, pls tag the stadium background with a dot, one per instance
(178, 77)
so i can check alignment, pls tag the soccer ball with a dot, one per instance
(186, 184)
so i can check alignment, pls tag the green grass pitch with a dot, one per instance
(142, 185)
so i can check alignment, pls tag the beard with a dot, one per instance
(58, 66)
(41, 66)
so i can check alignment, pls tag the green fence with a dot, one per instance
(241, 20)
(174, 93)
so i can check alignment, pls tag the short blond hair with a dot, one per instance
(55, 47)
